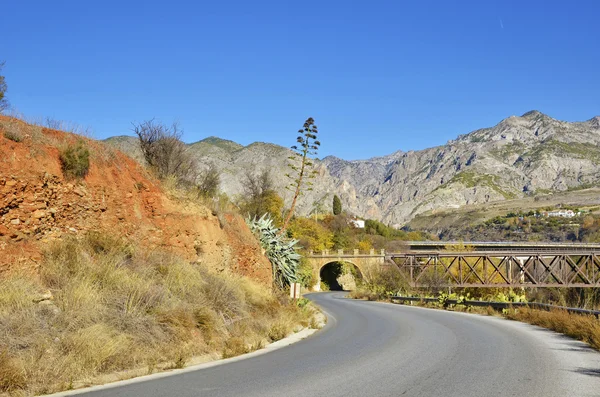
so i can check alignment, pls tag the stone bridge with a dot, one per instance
(365, 262)
(572, 265)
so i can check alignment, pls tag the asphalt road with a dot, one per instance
(378, 349)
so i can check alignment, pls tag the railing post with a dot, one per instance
(382, 252)
(355, 252)
(372, 252)
(340, 252)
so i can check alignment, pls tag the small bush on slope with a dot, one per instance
(75, 160)
(13, 135)
(116, 307)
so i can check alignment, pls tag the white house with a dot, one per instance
(357, 223)
(561, 213)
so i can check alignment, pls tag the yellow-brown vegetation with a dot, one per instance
(581, 327)
(101, 304)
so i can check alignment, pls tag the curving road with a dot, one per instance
(378, 349)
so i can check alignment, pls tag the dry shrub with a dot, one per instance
(581, 327)
(116, 307)
(13, 135)
(164, 151)
(365, 294)
(206, 320)
(96, 348)
(280, 330)
(12, 130)
(379, 284)
(179, 317)
(224, 296)
(12, 374)
(235, 346)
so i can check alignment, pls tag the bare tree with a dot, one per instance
(164, 151)
(209, 181)
(260, 196)
(255, 185)
(3, 88)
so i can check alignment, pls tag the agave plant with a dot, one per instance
(280, 250)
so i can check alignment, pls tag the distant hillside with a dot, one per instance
(519, 157)
(464, 223)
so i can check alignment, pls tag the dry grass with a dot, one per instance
(115, 307)
(12, 374)
(583, 328)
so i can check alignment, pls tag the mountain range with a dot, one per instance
(521, 156)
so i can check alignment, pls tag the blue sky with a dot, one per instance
(377, 76)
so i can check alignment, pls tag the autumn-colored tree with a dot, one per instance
(312, 235)
(301, 164)
(364, 245)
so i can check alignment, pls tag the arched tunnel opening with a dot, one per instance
(340, 276)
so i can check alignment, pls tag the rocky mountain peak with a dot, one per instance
(219, 142)
(533, 115)
(595, 121)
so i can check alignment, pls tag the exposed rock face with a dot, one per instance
(519, 156)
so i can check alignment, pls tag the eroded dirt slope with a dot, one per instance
(38, 205)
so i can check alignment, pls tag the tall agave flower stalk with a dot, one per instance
(280, 250)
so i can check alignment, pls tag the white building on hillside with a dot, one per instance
(561, 213)
(357, 223)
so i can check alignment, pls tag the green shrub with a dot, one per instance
(306, 275)
(75, 160)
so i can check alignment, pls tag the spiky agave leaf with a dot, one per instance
(281, 251)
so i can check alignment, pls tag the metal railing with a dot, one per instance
(499, 305)
(502, 245)
(502, 269)
(346, 253)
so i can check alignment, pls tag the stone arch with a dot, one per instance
(332, 273)
(364, 262)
